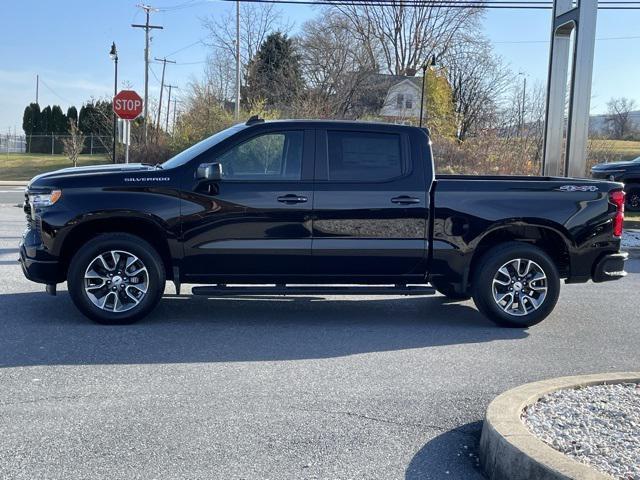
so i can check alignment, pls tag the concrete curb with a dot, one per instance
(509, 451)
(13, 183)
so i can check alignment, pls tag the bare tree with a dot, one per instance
(74, 143)
(256, 22)
(399, 38)
(220, 76)
(478, 81)
(335, 66)
(619, 116)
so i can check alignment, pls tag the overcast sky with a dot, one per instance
(68, 42)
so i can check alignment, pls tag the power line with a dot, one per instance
(531, 5)
(56, 94)
(446, 3)
(199, 41)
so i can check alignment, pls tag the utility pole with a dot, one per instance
(237, 110)
(37, 86)
(147, 9)
(173, 127)
(164, 65)
(522, 106)
(169, 106)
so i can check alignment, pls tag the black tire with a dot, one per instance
(448, 291)
(155, 278)
(632, 198)
(527, 313)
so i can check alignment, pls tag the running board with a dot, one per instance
(215, 291)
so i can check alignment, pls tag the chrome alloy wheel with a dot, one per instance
(519, 286)
(116, 281)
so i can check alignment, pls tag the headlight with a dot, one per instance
(40, 200)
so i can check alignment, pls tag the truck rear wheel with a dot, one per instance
(116, 278)
(516, 285)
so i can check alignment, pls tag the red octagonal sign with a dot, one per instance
(127, 104)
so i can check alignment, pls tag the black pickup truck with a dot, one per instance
(323, 207)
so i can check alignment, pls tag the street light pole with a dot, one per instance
(431, 61)
(114, 56)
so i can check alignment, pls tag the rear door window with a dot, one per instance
(364, 156)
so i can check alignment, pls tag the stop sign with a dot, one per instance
(127, 104)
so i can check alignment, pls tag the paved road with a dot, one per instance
(380, 388)
(11, 195)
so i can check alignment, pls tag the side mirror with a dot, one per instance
(210, 171)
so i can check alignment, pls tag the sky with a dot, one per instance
(67, 43)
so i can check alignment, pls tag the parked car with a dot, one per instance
(625, 172)
(324, 207)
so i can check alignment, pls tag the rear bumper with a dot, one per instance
(609, 267)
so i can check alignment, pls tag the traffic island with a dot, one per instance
(509, 450)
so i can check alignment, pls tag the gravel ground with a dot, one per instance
(596, 425)
(631, 239)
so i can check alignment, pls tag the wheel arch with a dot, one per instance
(144, 228)
(548, 239)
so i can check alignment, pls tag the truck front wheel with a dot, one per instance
(116, 278)
(516, 285)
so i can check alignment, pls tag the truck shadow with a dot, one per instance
(43, 330)
(452, 454)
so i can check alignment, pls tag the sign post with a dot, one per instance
(127, 105)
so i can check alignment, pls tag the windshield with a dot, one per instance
(201, 147)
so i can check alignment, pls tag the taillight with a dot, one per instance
(617, 198)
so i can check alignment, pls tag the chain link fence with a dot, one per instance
(52, 144)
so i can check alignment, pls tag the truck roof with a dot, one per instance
(316, 123)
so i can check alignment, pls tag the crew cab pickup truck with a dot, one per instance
(322, 207)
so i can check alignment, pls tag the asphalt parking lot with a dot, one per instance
(277, 388)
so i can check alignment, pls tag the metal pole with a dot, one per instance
(51, 143)
(115, 92)
(146, 78)
(127, 126)
(579, 101)
(237, 109)
(424, 77)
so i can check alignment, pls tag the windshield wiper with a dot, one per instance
(156, 165)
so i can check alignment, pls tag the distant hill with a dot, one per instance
(598, 123)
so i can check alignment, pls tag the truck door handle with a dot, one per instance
(405, 200)
(291, 198)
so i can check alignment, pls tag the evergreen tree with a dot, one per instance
(31, 119)
(72, 114)
(59, 122)
(274, 73)
(45, 120)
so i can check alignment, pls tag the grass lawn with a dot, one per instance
(618, 149)
(24, 166)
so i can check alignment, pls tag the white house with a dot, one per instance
(403, 99)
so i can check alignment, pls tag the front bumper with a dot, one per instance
(610, 267)
(37, 264)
